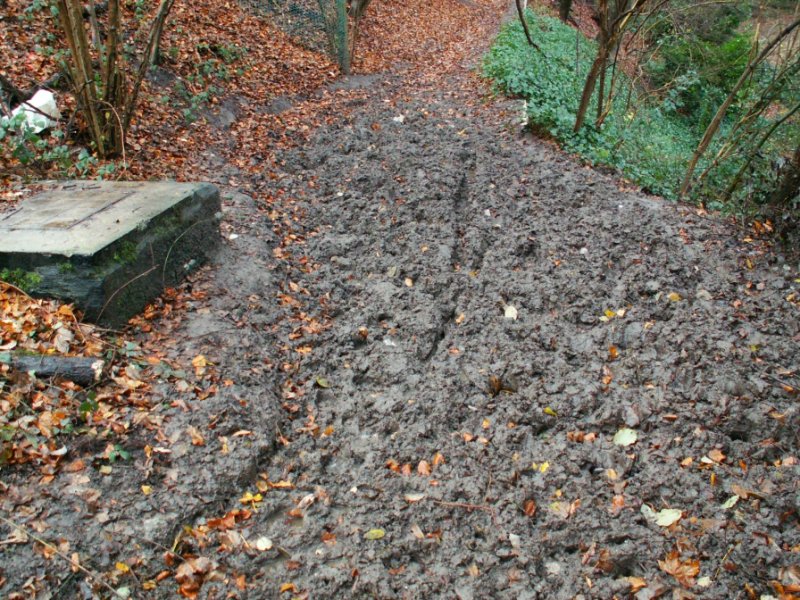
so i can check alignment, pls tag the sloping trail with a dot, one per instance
(423, 220)
(481, 445)
(366, 351)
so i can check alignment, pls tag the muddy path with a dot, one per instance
(427, 332)
(494, 315)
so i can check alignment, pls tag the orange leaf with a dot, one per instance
(683, 570)
(288, 587)
(423, 468)
(329, 538)
(529, 508)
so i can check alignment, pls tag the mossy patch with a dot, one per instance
(24, 280)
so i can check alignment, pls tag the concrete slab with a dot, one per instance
(110, 247)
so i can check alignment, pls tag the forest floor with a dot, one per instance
(438, 358)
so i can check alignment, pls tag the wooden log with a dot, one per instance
(81, 370)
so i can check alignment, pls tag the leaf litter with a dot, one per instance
(208, 354)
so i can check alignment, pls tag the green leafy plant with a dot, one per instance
(649, 137)
(24, 280)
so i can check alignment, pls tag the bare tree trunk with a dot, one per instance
(713, 127)
(71, 14)
(564, 8)
(93, 22)
(102, 93)
(356, 12)
(588, 88)
(154, 57)
(155, 32)
(754, 150)
(610, 36)
(521, 13)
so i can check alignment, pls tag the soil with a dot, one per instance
(434, 330)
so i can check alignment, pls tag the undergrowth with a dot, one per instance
(648, 138)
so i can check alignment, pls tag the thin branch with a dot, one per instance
(74, 563)
(715, 123)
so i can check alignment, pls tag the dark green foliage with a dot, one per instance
(24, 280)
(648, 137)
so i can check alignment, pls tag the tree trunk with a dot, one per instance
(564, 8)
(81, 370)
(521, 13)
(588, 88)
(154, 56)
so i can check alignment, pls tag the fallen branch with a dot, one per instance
(81, 370)
(74, 563)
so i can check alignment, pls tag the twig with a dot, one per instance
(122, 287)
(175, 241)
(467, 506)
(724, 558)
(91, 574)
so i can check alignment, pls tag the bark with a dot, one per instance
(154, 56)
(156, 30)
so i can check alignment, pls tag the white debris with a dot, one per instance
(40, 112)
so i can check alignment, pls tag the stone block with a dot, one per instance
(110, 247)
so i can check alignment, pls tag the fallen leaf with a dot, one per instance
(417, 532)
(510, 312)
(288, 587)
(374, 534)
(263, 544)
(412, 498)
(668, 516)
(197, 437)
(529, 507)
(329, 538)
(625, 437)
(636, 583)
(683, 570)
